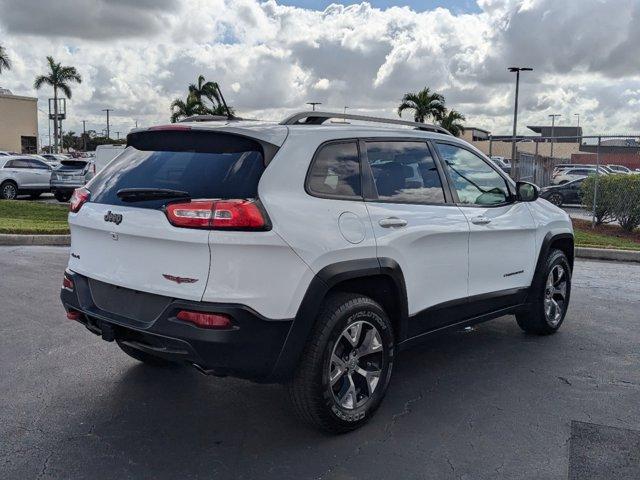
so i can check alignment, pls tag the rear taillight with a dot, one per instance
(205, 320)
(79, 198)
(217, 214)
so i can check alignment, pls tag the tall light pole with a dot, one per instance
(577, 134)
(313, 105)
(514, 160)
(553, 128)
(107, 110)
(577, 115)
(84, 134)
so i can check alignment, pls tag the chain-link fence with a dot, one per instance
(599, 175)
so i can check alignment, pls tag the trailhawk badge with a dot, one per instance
(113, 217)
(179, 280)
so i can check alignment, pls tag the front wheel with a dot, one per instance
(346, 366)
(550, 297)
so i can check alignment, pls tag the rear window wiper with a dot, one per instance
(141, 194)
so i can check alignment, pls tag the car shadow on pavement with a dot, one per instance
(450, 392)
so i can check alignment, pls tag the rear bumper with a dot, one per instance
(66, 186)
(248, 350)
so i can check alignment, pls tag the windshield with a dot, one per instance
(201, 174)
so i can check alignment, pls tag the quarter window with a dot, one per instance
(473, 179)
(336, 171)
(404, 172)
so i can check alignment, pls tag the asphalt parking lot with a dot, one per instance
(487, 403)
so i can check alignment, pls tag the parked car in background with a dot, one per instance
(4, 154)
(54, 157)
(71, 174)
(503, 163)
(566, 175)
(50, 159)
(23, 175)
(106, 153)
(567, 193)
(619, 169)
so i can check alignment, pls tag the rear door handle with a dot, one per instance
(392, 222)
(480, 220)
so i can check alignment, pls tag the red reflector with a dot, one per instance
(205, 320)
(67, 283)
(79, 198)
(73, 315)
(217, 214)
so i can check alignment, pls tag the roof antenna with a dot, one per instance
(229, 114)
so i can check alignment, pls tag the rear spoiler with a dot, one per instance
(177, 138)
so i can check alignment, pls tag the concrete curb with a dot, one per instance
(608, 254)
(15, 239)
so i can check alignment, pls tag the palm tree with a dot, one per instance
(181, 109)
(425, 104)
(59, 78)
(205, 89)
(451, 122)
(5, 63)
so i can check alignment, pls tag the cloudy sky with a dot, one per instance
(272, 56)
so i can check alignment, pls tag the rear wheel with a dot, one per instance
(551, 292)
(556, 199)
(143, 356)
(8, 191)
(62, 196)
(346, 366)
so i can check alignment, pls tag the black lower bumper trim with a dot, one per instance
(248, 350)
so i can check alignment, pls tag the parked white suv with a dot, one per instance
(308, 254)
(23, 175)
(565, 175)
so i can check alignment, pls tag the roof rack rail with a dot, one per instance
(209, 118)
(318, 118)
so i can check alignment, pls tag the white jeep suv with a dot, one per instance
(308, 253)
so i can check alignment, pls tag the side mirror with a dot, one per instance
(527, 192)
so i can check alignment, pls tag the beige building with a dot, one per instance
(18, 123)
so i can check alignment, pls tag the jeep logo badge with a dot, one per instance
(113, 217)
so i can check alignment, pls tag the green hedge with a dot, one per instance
(618, 198)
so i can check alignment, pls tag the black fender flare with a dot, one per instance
(319, 287)
(548, 240)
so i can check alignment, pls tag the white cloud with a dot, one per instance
(271, 59)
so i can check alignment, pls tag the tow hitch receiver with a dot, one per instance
(108, 333)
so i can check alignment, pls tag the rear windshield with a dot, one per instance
(72, 165)
(202, 164)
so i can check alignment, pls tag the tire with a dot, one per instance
(556, 199)
(551, 292)
(144, 357)
(62, 196)
(328, 390)
(8, 191)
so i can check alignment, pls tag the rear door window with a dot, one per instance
(335, 171)
(204, 165)
(404, 172)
